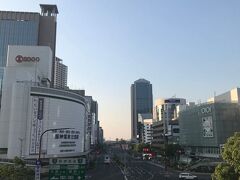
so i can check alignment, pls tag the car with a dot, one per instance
(107, 159)
(187, 176)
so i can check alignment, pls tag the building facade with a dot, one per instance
(205, 128)
(141, 103)
(30, 106)
(230, 96)
(166, 127)
(147, 131)
(145, 128)
(30, 29)
(61, 72)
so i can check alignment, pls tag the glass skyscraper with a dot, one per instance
(141, 103)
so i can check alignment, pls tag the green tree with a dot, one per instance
(224, 172)
(16, 171)
(231, 155)
(172, 149)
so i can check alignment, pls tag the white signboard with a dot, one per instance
(206, 110)
(207, 126)
(66, 114)
(66, 141)
(37, 124)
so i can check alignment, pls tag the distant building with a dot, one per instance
(165, 123)
(205, 128)
(147, 131)
(145, 126)
(141, 103)
(227, 97)
(166, 111)
(101, 136)
(60, 77)
(77, 91)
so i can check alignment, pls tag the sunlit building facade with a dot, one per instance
(60, 77)
(30, 106)
(28, 28)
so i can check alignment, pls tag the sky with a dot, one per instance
(188, 49)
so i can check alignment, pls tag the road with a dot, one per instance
(103, 171)
(135, 169)
(144, 170)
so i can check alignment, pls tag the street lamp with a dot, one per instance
(165, 153)
(38, 162)
(21, 140)
(40, 141)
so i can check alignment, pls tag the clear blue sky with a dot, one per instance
(185, 48)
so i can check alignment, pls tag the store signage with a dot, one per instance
(20, 59)
(207, 126)
(67, 168)
(37, 124)
(206, 110)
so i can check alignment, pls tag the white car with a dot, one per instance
(107, 159)
(187, 176)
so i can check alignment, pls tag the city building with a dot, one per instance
(204, 128)
(157, 135)
(145, 126)
(219, 121)
(147, 131)
(165, 126)
(141, 103)
(101, 135)
(231, 96)
(30, 106)
(93, 123)
(61, 71)
(30, 29)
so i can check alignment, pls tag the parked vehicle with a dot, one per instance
(187, 176)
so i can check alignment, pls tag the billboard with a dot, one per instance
(207, 126)
(54, 113)
(37, 124)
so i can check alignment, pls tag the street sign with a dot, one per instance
(37, 170)
(67, 168)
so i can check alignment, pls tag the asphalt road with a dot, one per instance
(135, 169)
(144, 170)
(103, 171)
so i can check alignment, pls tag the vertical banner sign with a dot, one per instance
(40, 122)
(207, 126)
(37, 124)
(33, 134)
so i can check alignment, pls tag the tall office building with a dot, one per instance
(141, 103)
(60, 78)
(30, 29)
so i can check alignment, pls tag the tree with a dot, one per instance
(231, 152)
(172, 150)
(224, 172)
(18, 171)
(231, 155)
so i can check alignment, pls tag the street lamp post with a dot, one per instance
(21, 140)
(165, 154)
(38, 162)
